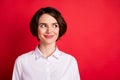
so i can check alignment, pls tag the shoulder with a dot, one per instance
(24, 56)
(68, 59)
(68, 56)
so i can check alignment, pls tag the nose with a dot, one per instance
(49, 30)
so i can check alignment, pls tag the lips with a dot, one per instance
(48, 36)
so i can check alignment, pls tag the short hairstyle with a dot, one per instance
(52, 12)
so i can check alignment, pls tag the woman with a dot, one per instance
(46, 62)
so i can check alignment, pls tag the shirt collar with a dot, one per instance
(38, 54)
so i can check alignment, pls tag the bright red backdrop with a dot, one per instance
(93, 35)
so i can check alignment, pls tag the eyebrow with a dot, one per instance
(46, 23)
(41, 23)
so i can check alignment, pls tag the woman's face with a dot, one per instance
(48, 29)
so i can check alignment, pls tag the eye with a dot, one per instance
(55, 25)
(42, 25)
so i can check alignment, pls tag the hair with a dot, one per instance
(52, 12)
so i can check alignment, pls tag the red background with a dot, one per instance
(93, 35)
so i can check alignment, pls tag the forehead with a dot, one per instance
(46, 18)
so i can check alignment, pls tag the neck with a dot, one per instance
(47, 50)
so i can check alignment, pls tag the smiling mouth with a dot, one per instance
(48, 36)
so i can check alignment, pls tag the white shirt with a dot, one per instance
(33, 66)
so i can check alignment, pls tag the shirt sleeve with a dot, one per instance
(17, 70)
(72, 71)
(75, 70)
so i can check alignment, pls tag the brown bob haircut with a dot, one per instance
(52, 12)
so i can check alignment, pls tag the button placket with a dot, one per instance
(48, 69)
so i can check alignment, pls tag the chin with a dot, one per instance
(49, 42)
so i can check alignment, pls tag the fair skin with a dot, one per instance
(48, 32)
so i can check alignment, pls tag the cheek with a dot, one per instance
(57, 31)
(41, 31)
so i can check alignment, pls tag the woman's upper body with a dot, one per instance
(46, 62)
(34, 66)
